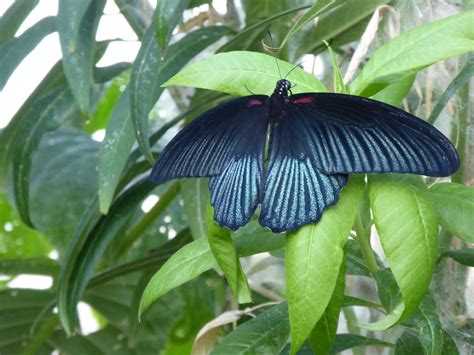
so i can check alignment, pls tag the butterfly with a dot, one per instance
(315, 140)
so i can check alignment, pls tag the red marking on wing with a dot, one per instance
(304, 100)
(254, 102)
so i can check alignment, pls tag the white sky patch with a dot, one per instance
(53, 255)
(149, 203)
(220, 6)
(313, 64)
(98, 135)
(37, 282)
(89, 323)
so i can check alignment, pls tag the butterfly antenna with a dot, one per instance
(299, 65)
(272, 51)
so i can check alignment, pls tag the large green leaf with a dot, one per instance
(166, 17)
(77, 23)
(324, 332)
(413, 50)
(455, 206)
(265, 334)
(234, 72)
(14, 51)
(190, 261)
(313, 256)
(48, 113)
(406, 221)
(12, 19)
(223, 248)
(63, 181)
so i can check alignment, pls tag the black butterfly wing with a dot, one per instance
(295, 191)
(351, 134)
(206, 145)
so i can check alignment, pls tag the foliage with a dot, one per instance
(173, 266)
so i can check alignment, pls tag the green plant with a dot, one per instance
(83, 198)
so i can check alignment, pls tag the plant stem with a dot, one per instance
(351, 320)
(461, 129)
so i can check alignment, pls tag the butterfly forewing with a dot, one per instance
(295, 192)
(350, 134)
(205, 146)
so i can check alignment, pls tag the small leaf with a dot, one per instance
(462, 256)
(167, 15)
(313, 256)
(408, 344)
(406, 221)
(324, 333)
(417, 50)
(195, 194)
(232, 72)
(455, 206)
(187, 263)
(14, 51)
(77, 24)
(338, 81)
(350, 301)
(254, 239)
(223, 248)
(12, 19)
(265, 334)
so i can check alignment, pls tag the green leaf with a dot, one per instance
(254, 239)
(462, 78)
(88, 244)
(77, 24)
(167, 15)
(313, 256)
(350, 301)
(462, 256)
(319, 8)
(149, 72)
(406, 221)
(16, 239)
(426, 321)
(338, 81)
(324, 333)
(265, 334)
(449, 346)
(348, 341)
(341, 25)
(223, 248)
(455, 205)
(231, 72)
(395, 92)
(408, 344)
(14, 51)
(187, 263)
(114, 150)
(195, 194)
(47, 114)
(104, 108)
(413, 51)
(35, 266)
(12, 19)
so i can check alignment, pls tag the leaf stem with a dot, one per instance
(461, 129)
(363, 238)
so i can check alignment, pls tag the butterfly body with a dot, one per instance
(315, 140)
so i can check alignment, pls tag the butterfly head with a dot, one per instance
(282, 87)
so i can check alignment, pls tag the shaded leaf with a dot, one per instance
(348, 341)
(12, 19)
(77, 24)
(166, 17)
(195, 194)
(313, 256)
(462, 256)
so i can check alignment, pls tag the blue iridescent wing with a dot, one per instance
(206, 145)
(235, 191)
(295, 192)
(351, 134)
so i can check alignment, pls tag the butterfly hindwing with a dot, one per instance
(207, 145)
(295, 192)
(351, 134)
